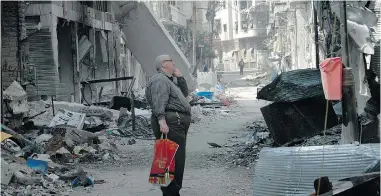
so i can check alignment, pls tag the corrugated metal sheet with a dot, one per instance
(293, 86)
(292, 171)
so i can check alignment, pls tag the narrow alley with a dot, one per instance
(206, 172)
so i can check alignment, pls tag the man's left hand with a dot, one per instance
(177, 73)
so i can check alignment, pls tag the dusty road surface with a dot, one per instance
(204, 174)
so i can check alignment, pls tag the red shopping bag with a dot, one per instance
(163, 164)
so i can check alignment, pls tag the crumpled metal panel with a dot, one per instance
(292, 170)
(293, 86)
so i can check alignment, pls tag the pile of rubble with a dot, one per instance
(47, 160)
(44, 143)
(244, 151)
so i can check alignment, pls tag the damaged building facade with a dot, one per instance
(177, 16)
(51, 47)
(290, 32)
(241, 27)
(174, 16)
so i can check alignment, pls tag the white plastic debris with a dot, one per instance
(43, 138)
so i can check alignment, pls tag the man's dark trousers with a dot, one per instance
(178, 124)
(241, 70)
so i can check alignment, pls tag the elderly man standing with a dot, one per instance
(166, 93)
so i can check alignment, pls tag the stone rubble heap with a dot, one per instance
(45, 143)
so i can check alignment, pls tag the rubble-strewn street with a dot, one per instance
(194, 98)
(119, 164)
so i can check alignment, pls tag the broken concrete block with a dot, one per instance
(63, 150)
(17, 98)
(6, 172)
(43, 138)
(106, 156)
(23, 178)
(94, 124)
(84, 148)
(54, 144)
(53, 177)
(10, 144)
(305, 118)
(65, 118)
(75, 137)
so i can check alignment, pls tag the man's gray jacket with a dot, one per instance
(163, 94)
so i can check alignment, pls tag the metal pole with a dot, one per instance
(52, 105)
(317, 62)
(201, 55)
(132, 99)
(212, 14)
(194, 34)
(350, 130)
(296, 40)
(2, 104)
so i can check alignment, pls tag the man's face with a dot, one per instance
(169, 65)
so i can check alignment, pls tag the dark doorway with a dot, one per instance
(65, 59)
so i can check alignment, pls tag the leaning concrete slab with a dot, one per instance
(147, 38)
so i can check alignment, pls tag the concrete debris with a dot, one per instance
(6, 172)
(244, 152)
(53, 177)
(36, 107)
(16, 98)
(10, 144)
(42, 159)
(23, 178)
(43, 138)
(255, 77)
(54, 144)
(84, 148)
(94, 124)
(63, 150)
(106, 156)
(75, 137)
